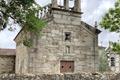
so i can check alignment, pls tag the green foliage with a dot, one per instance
(111, 19)
(33, 24)
(24, 13)
(28, 42)
(103, 66)
(116, 47)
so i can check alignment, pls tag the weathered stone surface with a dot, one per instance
(80, 76)
(21, 63)
(7, 60)
(52, 48)
(116, 59)
(7, 64)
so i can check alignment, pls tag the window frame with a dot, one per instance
(67, 36)
(112, 59)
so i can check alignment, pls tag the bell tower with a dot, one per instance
(75, 8)
(66, 11)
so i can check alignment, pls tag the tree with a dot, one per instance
(22, 12)
(116, 47)
(111, 21)
(103, 66)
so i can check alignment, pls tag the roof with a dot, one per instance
(91, 28)
(18, 34)
(101, 47)
(8, 52)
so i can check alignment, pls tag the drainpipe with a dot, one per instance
(94, 45)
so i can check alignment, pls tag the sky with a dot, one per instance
(93, 10)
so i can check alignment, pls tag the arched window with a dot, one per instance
(71, 3)
(112, 61)
(67, 49)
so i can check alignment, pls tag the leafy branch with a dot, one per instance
(24, 12)
(111, 21)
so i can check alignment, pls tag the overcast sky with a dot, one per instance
(93, 11)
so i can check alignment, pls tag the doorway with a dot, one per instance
(66, 66)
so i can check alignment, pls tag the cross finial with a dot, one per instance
(96, 24)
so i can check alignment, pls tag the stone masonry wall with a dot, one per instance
(115, 68)
(51, 46)
(83, 76)
(7, 64)
(21, 66)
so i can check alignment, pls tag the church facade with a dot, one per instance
(67, 44)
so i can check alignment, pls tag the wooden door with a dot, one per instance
(66, 66)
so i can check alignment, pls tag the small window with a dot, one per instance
(67, 36)
(112, 61)
(67, 49)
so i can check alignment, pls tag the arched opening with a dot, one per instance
(72, 5)
(112, 61)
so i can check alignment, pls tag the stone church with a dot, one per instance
(67, 44)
